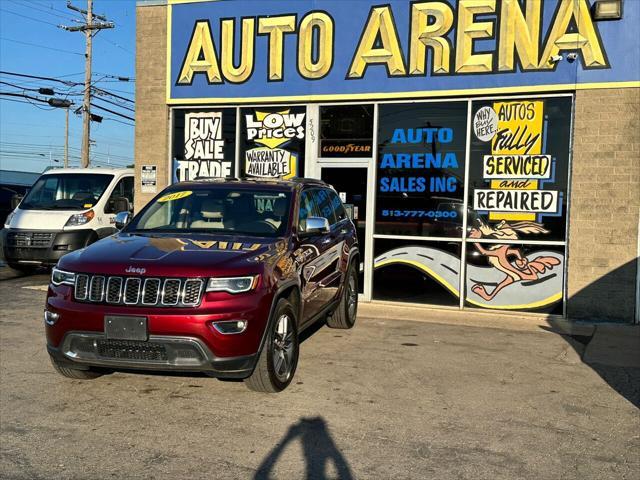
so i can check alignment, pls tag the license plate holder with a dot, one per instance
(122, 327)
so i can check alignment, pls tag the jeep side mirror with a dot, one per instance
(15, 200)
(122, 219)
(316, 225)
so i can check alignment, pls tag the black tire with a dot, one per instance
(345, 315)
(74, 372)
(265, 378)
(22, 268)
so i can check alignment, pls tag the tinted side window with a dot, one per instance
(323, 200)
(336, 204)
(307, 208)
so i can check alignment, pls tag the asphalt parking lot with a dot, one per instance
(388, 399)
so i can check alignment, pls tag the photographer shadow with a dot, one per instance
(318, 448)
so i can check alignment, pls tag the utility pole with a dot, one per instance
(66, 137)
(90, 28)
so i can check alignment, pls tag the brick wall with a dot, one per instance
(605, 205)
(152, 113)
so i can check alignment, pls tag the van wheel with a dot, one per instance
(73, 372)
(279, 356)
(345, 315)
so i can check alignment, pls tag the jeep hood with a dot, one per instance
(167, 255)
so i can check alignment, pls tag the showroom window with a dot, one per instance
(272, 142)
(518, 179)
(346, 131)
(203, 143)
(511, 227)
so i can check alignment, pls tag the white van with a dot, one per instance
(66, 209)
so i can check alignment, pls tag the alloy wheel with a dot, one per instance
(283, 348)
(352, 297)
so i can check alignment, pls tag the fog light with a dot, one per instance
(230, 327)
(607, 10)
(50, 318)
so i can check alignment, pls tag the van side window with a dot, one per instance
(127, 188)
(123, 189)
(323, 200)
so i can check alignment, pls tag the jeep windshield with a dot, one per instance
(217, 210)
(66, 191)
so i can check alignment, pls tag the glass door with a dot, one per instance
(351, 184)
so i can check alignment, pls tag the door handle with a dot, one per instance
(326, 240)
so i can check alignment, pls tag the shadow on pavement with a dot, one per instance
(610, 348)
(318, 448)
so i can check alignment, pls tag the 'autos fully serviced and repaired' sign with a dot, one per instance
(310, 50)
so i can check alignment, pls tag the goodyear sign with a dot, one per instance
(312, 50)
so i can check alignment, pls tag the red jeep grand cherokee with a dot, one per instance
(216, 276)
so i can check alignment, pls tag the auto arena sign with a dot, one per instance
(324, 49)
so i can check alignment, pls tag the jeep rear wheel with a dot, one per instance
(73, 372)
(345, 315)
(279, 356)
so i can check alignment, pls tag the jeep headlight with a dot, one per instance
(232, 284)
(60, 277)
(80, 218)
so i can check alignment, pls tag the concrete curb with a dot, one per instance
(479, 318)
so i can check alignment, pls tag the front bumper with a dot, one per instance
(42, 247)
(160, 352)
(180, 338)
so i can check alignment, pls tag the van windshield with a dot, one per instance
(66, 191)
(218, 210)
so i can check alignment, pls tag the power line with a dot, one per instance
(113, 112)
(14, 100)
(48, 11)
(51, 79)
(27, 17)
(107, 92)
(23, 88)
(118, 46)
(119, 121)
(41, 46)
(23, 95)
(102, 99)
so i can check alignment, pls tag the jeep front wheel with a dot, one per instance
(279, 356)
(74, 373)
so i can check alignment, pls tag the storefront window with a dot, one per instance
(420, 169)
(346, 131)
(272, 142)
(515, 277)
(518, 177)
(203, 143)
(417, 272)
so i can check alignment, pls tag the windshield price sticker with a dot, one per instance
(174, 196)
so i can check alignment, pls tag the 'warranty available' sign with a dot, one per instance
(273, 131)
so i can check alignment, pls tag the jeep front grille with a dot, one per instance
(138, 291)
(132, 350)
